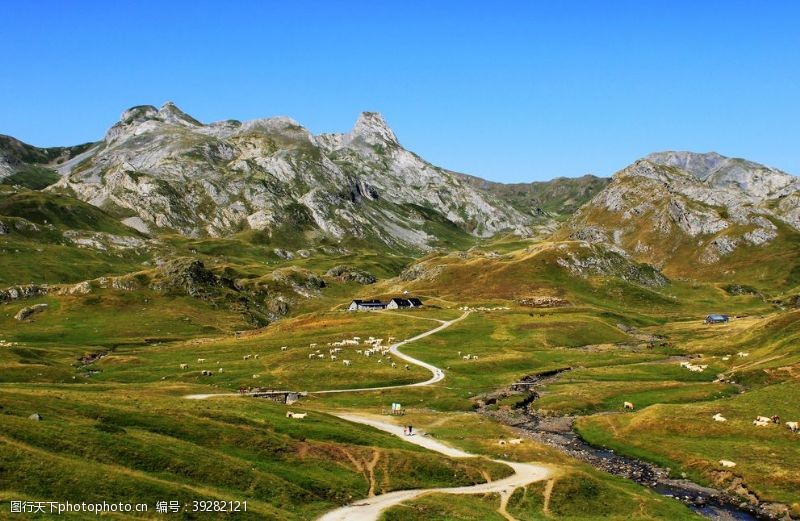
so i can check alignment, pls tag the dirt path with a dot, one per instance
(370, 509)
(437, 375)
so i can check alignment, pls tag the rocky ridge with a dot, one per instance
(706, 203)
(272, 175)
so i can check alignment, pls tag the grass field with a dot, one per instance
(116, 426)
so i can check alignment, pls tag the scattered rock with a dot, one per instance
(347, 273)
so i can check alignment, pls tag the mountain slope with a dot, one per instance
(696, 214)
(33, 167)
(272, 175)
(560, 196)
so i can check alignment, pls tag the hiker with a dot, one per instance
(410, 430)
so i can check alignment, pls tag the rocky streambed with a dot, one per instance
(557, 432)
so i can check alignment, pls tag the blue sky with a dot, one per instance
(510, 91)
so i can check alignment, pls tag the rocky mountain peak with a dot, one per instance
(757, 181)
(372, 129)
(143, 118)
(170, 113)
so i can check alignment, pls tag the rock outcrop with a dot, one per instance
(28, 311)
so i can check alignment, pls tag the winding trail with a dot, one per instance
(437, 375)
(370, 509)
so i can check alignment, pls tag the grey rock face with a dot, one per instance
(178, 174)
(657, 203)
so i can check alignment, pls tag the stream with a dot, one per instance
(558, 432)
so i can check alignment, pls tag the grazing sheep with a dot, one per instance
(763, 419)
(255, 357)
(474, 357)
(515, 441)
(312, 346)
(793, 426)
(758, 423)
(201, 360)
(501, 442)
(726, 358)
(220, 370)
(380, 360)
(346, 363)
(333, 358)
(719, 418)
(727, 463)
(776, 420)
(466, 357)
(627, 405)
(296, 415)
(394, 365)
(311, 355)
(256, 376)
(320, 356)
(206, 372)
(284, 348)
(246, 357)
(184, 366)
(741, 354)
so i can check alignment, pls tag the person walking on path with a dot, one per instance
(410, 430)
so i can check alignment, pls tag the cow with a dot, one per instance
(184, 366)
(793, 426)
(727, 463)
(627, 405)
(719, 418)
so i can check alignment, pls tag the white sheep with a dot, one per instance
(719, 418)
(727, 463)
(346, 363)
(184, 366)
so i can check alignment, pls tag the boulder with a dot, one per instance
(28, 311)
